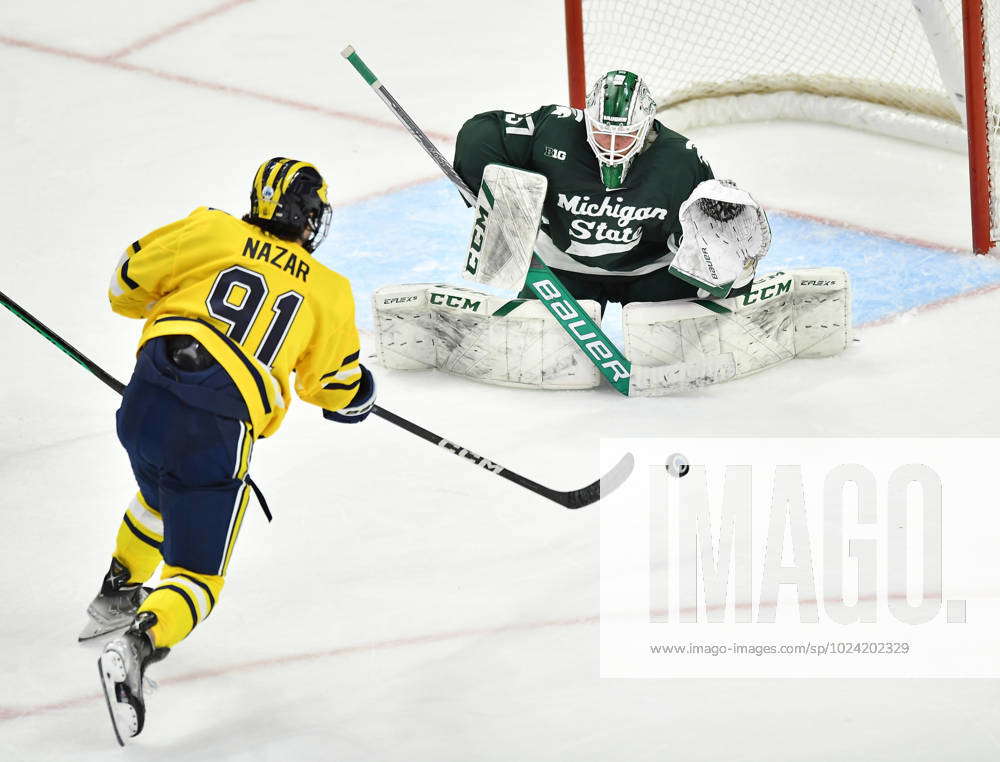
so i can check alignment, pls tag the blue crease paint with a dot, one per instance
(419, 235)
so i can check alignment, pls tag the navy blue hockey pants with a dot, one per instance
(189, 441)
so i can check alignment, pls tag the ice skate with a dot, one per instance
(115, 605)
(122, 667)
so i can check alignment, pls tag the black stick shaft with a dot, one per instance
(61, 343)
(462, 452)
(573, 499)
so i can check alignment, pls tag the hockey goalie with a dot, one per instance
(621, 209)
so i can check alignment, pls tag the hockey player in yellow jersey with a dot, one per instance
(232, 308)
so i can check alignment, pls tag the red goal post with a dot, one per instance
(916, 69)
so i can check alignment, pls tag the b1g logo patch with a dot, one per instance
(555, 153)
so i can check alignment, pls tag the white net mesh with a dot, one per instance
(991, 27)
(890, 66)
(869, 50)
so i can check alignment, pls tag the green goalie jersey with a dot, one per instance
(585, 227)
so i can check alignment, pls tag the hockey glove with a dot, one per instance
(725, 233)
(360, 405)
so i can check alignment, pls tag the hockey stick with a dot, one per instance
(556, 298)
(72, 352)
(577, 498)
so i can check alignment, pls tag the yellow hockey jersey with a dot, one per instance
(262, 306)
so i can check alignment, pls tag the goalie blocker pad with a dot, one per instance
(508, 212)
(799, 313)
(496, 340)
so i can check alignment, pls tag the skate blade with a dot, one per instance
(123, 717)
(93, 630)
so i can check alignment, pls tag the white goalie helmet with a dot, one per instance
(619, 114)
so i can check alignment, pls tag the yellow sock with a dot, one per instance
(181, 600)
(139, 538)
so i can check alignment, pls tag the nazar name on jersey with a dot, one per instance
(276, 255)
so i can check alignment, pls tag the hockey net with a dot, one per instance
(890, 66)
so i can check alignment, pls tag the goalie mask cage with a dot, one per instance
(891, 66)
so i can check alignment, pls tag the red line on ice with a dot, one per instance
(113, 62)
(219, 87)
(13, 713)
(391, 189)
(933, 305)
(870, 231)
(174, 28)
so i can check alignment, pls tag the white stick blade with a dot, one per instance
(617, 476)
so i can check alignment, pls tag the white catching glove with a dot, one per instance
(725, 234)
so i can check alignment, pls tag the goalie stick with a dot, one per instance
(577, 498)
(560, 303)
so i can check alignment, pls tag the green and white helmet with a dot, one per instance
(620, 111)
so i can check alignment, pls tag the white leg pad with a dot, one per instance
(496, 340)
(801, 313)
(822, 298)
(676, 378)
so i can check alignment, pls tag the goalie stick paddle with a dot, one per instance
(577, 498)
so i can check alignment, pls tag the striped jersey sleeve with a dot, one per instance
(329, 373)
(141, 274)
(346, 377)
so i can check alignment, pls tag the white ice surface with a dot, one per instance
(403, 605)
